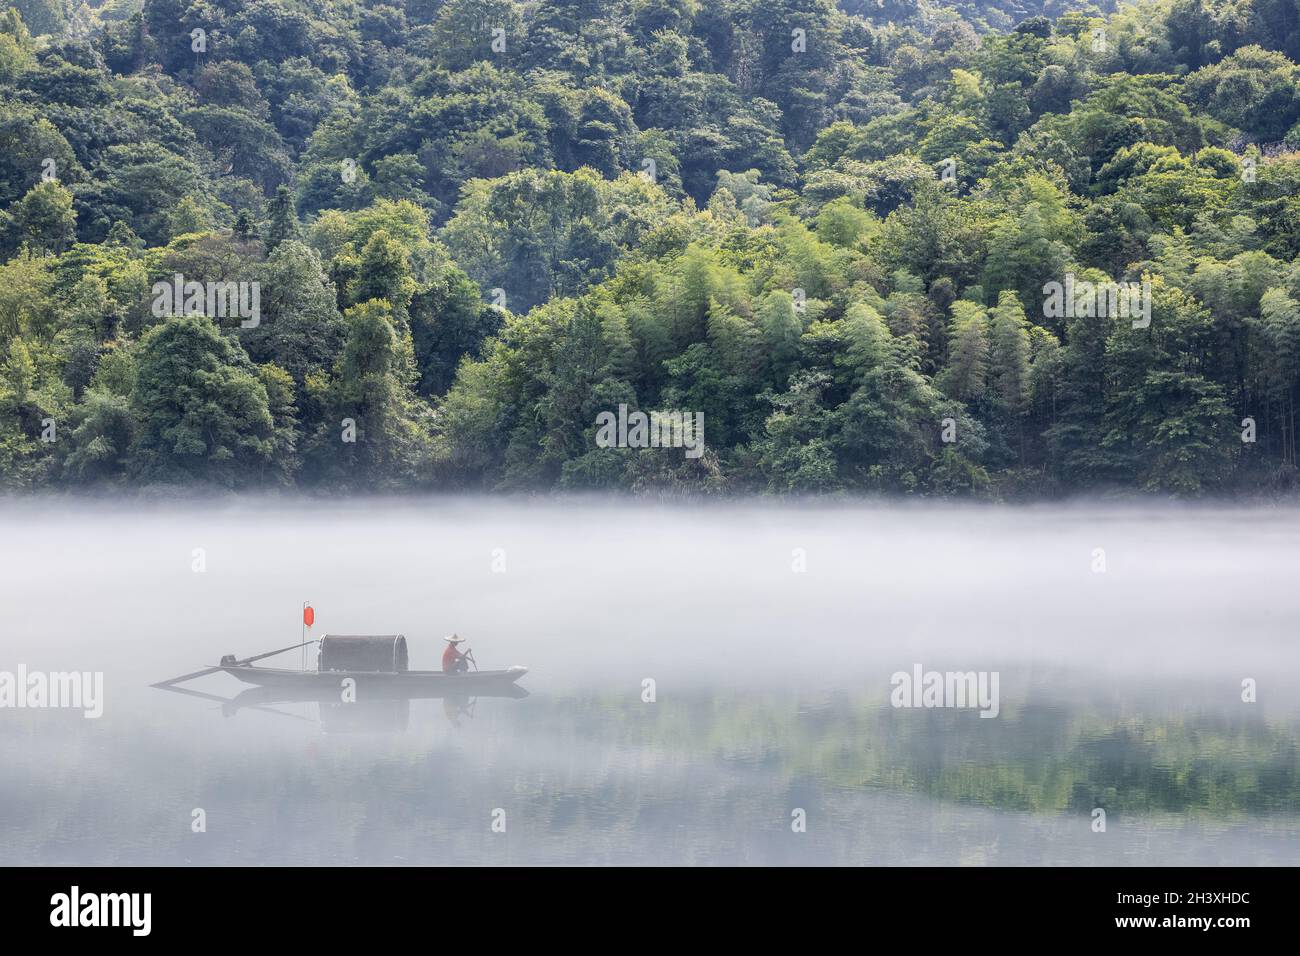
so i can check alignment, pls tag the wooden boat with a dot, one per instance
(436, 683)
(376, 665)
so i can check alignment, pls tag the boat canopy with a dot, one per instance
(378, 653)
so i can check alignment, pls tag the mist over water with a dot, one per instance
(1119, 690)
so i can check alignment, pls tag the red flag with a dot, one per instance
(309, 615)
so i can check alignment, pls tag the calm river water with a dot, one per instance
(708, 683)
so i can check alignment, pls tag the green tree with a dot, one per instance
(374, 431)
(201, 408)
(44, 219)
(283, 222)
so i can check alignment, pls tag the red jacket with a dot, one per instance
(450, 656)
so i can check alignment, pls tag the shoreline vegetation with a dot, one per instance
(446, 238)
(686, 497)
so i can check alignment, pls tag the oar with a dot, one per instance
(212, 670)
(258, 657)
(184, 677)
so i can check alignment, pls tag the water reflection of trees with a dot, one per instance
(1031, 758)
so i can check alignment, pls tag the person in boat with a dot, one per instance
(455, 661)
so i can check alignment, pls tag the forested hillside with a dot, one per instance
(455, 232)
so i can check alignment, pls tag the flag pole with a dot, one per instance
(308, 619)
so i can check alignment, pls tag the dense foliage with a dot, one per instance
(478, 224)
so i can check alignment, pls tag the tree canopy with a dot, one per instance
(460, 231)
